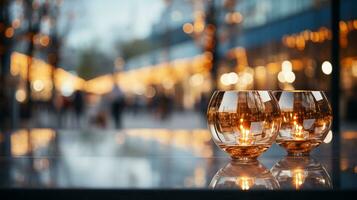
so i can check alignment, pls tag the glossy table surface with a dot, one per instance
(163, 159)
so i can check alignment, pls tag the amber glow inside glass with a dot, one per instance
(243, 175)
(306, 120)
(243, 123)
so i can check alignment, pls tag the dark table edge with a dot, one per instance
(181, 194)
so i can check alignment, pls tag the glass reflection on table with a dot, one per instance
(243, 175)
(301, 173)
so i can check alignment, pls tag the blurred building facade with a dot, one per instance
(194, 48)
(272, 44)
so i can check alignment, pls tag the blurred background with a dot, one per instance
(115, 64)
(125, 64)
(91, 88)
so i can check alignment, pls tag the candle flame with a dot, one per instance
(245, 137)
(298, 133)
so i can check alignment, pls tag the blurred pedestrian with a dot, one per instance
(78, 103)
(203, 104)
(118, 104)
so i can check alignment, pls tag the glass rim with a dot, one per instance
(298, 91)
(270, 91)
(243, 90)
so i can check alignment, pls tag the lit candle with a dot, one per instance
(297, 132)
(245, 138)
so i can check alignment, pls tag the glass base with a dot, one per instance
(244, 152)
(299, 154)
(244, 159)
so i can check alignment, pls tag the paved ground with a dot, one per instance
(177, 120)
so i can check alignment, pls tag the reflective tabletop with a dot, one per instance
(163, 159)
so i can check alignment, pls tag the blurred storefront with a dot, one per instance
(200, 46)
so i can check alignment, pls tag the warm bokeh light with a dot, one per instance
(286, 66)
(41, 77)
(233, 18)
(286, 75)
(196, 79)
(38, 85)
(229, 78)
(44, 40)
(188, 28)
(9, 32)
(16, 23)
(20, 95)
(326, 67)
(354, 68)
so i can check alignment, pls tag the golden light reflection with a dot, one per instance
(354, 68)
(245, 183)
(19, 143)
(200, 176)
(25, 141)
(195, 141)
(244, 176)
(298, 178)
(301, 173)
(344, 164)
(349, 135)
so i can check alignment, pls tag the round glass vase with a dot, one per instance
(306, 120)
(243, 123)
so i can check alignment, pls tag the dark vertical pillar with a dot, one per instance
(5, 52)
(335, 90)
(212, 20)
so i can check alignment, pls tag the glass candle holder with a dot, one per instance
(243, 123)
(306, 120)
(301, 172)
(244, 176)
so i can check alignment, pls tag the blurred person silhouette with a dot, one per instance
(78, 104)
(57, 104)
(352, 105)
(66, 111)
(203, 104)
(4, 110)
(164, 106)
(99, 112)
(118, 104)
